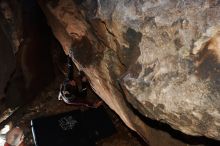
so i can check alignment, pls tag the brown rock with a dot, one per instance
(7, 63)
(137, 42)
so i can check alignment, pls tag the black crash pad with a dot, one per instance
(76, 128)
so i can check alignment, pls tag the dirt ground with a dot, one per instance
(47, 104)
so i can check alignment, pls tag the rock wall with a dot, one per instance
(7, 62)
(25, 55)
(9, 44)
(164, 54)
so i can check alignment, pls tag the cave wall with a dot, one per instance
(8, 44)
(26, 59)
(7, 59)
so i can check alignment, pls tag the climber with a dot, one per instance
(69, 89)
(74, 91)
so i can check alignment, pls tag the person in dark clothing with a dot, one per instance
(74, 91)
(69, 89)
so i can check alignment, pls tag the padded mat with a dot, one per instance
(74, 128)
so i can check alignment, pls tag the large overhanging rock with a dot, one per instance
(164, 53)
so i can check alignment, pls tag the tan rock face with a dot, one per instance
(178, 80)
(164, 53)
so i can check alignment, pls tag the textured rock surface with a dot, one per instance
(8, 37)
(177, 79)
(165, 53)
(11, 22)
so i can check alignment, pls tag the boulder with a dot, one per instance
(160, 56)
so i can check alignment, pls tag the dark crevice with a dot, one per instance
(111, 33)
(193, 140)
